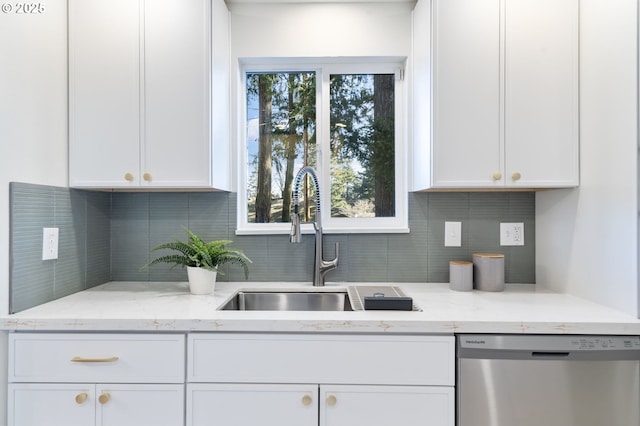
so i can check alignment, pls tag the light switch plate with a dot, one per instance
(512, 234)
(49, 243)
(453, 234)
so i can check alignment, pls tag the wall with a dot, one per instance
(33, 120)
(141, 221)
(320, 30)
(83, 219)
(308, 30)
(587, 240)
(107, 236)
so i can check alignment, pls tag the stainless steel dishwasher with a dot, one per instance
(543, 380)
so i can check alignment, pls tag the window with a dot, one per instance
(345, 121)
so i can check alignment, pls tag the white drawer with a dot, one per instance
(336, 359)
(96, 358)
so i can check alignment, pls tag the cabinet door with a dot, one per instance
(176, 142)
(386, 405)
(51, 404)
(466, 142)
(252, 404)
(103, 405)
(104, 93)
(541, 92)
(139, 405)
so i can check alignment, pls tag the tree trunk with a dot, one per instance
(382, 158)
(263, 194)
(291, 155)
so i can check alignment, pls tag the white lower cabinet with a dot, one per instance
(64, 404)
(58, 404)
(328, 380)
(68, 379)
(312, 405)
(251, 404)
(342, 405)
(239, 379)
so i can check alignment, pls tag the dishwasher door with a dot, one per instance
(517, 380)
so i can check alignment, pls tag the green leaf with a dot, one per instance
(195, 252)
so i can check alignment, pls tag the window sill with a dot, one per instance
(281, 229)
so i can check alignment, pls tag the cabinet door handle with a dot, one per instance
(332, 400)
(81, 398)
(307, 400)
(147, 177)
(516, 176)
(497, 176)
(104, 398)
(128, 177)
(82, 359)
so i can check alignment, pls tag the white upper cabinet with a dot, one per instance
(175, 146)
(466, 92)
(104, 92)
(140, 94)
(541, 120)
(502, 101)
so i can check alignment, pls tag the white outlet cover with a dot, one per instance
(49, 243)
(453, 234)
(512, 234)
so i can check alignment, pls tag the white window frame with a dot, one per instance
(323, 68)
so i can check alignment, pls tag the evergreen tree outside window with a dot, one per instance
(340, 119)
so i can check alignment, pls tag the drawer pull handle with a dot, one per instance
(81, 397)
(147, 177)
(81, 359)
(104, 398)
(307, 400)
(128, 177)
(331, 400)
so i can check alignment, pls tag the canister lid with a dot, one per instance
(460, 263)
(489, 255)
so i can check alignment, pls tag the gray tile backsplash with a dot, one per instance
(106, 236)
(84, 253)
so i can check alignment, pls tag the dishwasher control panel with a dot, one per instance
(605, 342)
(571, 343)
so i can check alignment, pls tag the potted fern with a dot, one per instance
(201, 259)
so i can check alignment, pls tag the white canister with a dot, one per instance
(488, 271)
(461, 275)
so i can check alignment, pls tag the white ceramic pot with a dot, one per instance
(201, 280)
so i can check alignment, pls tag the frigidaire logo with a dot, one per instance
(476, 342)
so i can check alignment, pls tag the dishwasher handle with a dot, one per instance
(549, 355)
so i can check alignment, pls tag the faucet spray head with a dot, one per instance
(295, 235)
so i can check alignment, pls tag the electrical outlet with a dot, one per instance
(512, 234)
(49, 243)
(453, 234)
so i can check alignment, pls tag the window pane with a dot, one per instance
(281, 139)
(362, 145)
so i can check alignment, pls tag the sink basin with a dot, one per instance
(288, 301)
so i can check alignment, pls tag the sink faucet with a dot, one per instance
(321, 266)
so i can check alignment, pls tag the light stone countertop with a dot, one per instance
(169, 307)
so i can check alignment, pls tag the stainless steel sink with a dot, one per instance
(288, 301)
